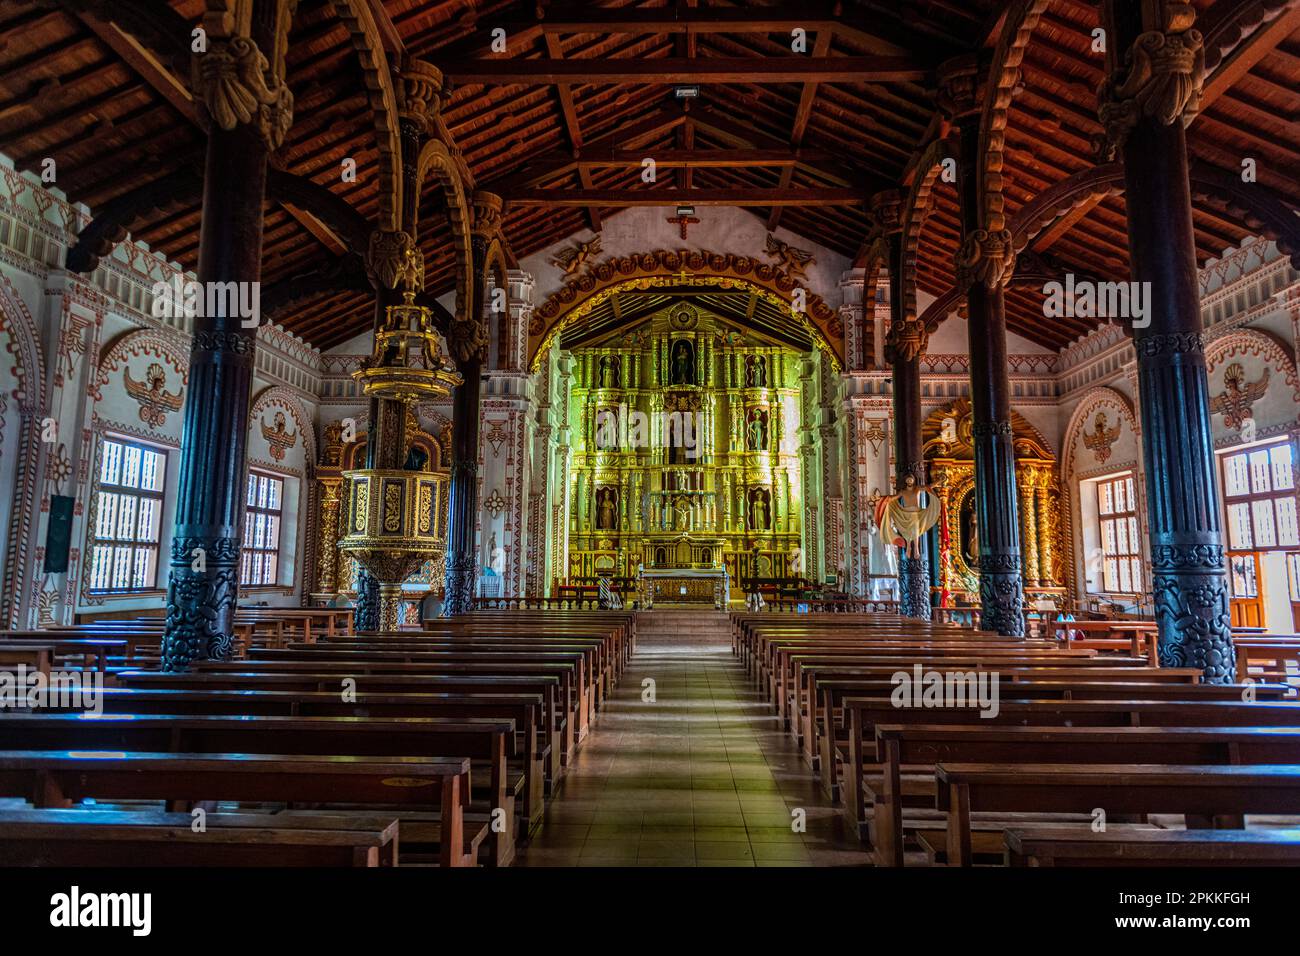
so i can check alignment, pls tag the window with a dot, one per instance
(260, 559)
(1259, 494)
(1120, 545)
(128, 517)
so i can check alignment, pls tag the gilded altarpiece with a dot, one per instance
(950, 456)
(685, 434)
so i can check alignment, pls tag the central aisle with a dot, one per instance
(701, 776)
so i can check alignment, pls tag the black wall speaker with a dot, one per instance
(58, 538)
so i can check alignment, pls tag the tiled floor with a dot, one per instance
(700, 776)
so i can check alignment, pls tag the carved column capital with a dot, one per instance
(487, 214)
(236, 85)
(986, 257)
(1160, 77)
(887, 210)
(960, 87)
(419, 94)
(907, 340)
(395, 261)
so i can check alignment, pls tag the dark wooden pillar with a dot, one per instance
(462, 519)
(203, 585)
(903, 350)
(1144, 122)
(982, 265)
(462, 558)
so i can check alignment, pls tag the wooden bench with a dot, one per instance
(863, 715)
(482, 740)
(35, 657)
(52, 778)
(916, 749)
(1075, 847)
(1203, 791)
(117, 839)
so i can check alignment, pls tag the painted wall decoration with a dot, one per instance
(1239, 396)
(156, 402)
(278, 436)
(1101, 438)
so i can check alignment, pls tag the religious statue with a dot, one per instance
(416, 459)
(496, 556)
(683, 364)
(609, 372)
(796, 562)
(757, 429)
(682, 509)
(607, 515)
(756, 371)
(903, 518)
(760, 516)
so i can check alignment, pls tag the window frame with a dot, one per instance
(249, 553)
(135, 543)
(1252, 499)
(1131, 523)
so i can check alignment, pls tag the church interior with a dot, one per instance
(454, 433)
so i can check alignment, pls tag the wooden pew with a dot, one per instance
(525, 710)
(1075, 847)
(483, 740)
(556, 727)
(117, 839)
(1205, 791)
(918, 747)
(51, 778)
(864, 714)
(35, 657)
(92, 651)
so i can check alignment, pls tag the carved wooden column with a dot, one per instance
(327, 547)
(250, 108)
(983, 262)
(1025, 479)
(468, 343)
(903, 350)
(1049, 513)
(1156, 69)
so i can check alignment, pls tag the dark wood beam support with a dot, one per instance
(203, 586)
(1188, 578)
(981, 266)
(694, 197)
(707, 70)
(802, 113)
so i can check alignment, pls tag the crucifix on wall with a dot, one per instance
(685, 217)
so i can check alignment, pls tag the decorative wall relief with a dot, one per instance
(155, 401)
(1239, 396)
(1101, 438)
(279, 437)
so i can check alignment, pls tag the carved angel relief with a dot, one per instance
(1100, 440)
(789, 258)
(278, 437)
(573, 260)
(1238, 396)
(155, 401)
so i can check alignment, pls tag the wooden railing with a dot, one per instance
(584, 603)
(832, 606)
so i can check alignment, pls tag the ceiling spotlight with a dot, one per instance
(686, 92)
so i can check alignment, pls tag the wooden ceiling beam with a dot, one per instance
(687, 197)
(802, 114)
(569, 111)
(681, 70)
(1247, 54)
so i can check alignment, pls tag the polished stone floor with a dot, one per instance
(700, 776)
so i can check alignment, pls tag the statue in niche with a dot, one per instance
(416, 459)
(756, 429)
(607, 510)
(756, 371)
(610, 372)
(796, 562)
(683, 363)
(682, 510)
(760, 509)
